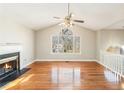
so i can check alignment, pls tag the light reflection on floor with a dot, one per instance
(66, 76)
(122, 85)
(111, 77)
(17, 81)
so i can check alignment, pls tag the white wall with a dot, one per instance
(107, 38)
(12, 32)
(43, 44)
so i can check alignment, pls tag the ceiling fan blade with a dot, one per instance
(57, 17)
(80, 21)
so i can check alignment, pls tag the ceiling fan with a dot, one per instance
(68, 20)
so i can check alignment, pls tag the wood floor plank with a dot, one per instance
(66, 75)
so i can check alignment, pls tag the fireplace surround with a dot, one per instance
(10, 68)
(9, 64)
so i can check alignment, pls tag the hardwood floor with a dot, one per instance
(66, 75)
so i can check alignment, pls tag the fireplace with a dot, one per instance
(9, 64)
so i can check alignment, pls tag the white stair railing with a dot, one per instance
(114, 62)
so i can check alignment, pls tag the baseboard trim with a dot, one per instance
(50, 60)
(64, 60)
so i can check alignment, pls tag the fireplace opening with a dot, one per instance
(7, 67)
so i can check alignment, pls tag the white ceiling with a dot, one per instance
(40, 15)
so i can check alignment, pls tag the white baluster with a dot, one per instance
(113, 61)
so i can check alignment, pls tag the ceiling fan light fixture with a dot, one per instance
(66, 25)
(72, 15)
(68, 20)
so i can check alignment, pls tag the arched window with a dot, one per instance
(66, 42)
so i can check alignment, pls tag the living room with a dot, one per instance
(61, 46)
